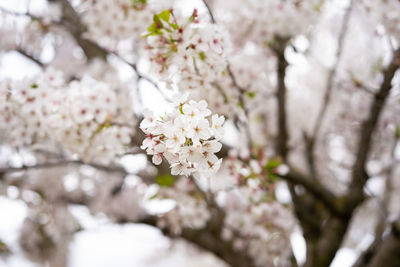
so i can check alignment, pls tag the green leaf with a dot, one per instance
(240, 104)
(251, 94)
(164, 15)
(202, 55)
(270, 168)
(272, 176)
(165, 180)
(153, 196)
(153, 29)
(272, 164)
(318, 6)
(157, 22)
(174, 26)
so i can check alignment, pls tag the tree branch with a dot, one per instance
(317, 190)
(333, 71)
(387, 254)
(18, 14)
(359, 174)
(240, 89)
(209, 11)
(209, 239)
(60, 163)
(30, 57)
(283, 135)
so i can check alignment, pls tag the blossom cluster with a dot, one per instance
(254, 74)
(188, 137)
(386, 13)
(189, 52)
(128, 17)
(83, 116)
(117, 20)
(254, 219)
(285, 18)
(190, 209)
(254, 224)
(84, 119)
(46, 233)
(24, 106)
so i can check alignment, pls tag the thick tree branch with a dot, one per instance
(209, 238)
(387, 254)
(71, 21)
(382, 223)
(335, 228)
(283, 135)
(317, 190)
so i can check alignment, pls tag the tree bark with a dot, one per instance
(388, 253)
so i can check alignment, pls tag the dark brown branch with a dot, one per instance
(71, 21)
(283, 135)
(359, 175)
(367, 255)
(209, 11)
(30, 57)
(387, 253)
(209, 238)
(318, 191)
(382, 223)
(323, 231)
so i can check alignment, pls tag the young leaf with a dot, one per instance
(272, 164)
(165, 15)
(251, 94)
(202, 55)
(165, 180)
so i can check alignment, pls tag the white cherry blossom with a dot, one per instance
(183, 137)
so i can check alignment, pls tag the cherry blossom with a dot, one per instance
(184, 137)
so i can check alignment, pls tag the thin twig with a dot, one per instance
(311, 140)
(19, 14)
(30, 57)
(209, 11)
(60, 163)
(333, 71)
(240, 89)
